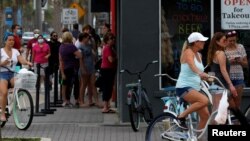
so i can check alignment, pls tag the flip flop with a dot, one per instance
(109, 111)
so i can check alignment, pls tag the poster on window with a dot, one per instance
(235, 14)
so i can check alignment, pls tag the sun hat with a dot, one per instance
(196, 36)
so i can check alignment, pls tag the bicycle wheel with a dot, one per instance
(134, 114)
(237, 117)
(247, 114)
(23, 109)
(164, 127)
(147, 108)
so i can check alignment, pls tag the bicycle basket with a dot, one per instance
(25, 81)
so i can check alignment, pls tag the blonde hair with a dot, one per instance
(67, 37)
(184, 47)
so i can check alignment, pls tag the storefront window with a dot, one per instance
(179, 18)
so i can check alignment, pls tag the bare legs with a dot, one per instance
(3, 96)
(199, 103)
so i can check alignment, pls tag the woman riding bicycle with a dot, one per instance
(9, 58)
(188, 83)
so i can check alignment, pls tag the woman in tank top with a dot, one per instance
(188, 83)
(219, 63)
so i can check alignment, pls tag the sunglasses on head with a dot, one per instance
(231, 33)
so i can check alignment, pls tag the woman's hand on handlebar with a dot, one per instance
(204, 75)
(29, 63)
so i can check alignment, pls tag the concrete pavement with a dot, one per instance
(83, 124)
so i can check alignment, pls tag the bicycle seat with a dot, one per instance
(132, 85)
(170, 90)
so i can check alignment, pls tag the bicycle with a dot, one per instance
(174, 103)
(137, 100)
(165, 127)
(19, 100)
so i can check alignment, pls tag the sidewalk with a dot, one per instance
(83, 124)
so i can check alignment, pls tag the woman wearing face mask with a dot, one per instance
(40, 55)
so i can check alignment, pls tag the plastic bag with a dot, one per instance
(221, 116)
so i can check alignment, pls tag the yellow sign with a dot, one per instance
(81, 11)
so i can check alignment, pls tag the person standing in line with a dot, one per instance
(236, 54)
(87, 71)
(93, 44)
(40, 55)
(31, 44)
(16, 30)
(54, 45)
(108, 70)
(67, 60)
(188, 83)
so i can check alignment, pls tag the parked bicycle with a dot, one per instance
(165, 127)
(137, 100)
(19, 100)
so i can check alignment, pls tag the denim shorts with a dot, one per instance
(6, 75)
(181, 92)
(238, 82)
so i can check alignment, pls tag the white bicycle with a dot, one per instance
(164, 127)
(19, 100)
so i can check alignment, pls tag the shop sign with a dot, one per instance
(69, 16)
(235, 14)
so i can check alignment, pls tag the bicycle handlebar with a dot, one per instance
(139, 72)
(165, 74)
(209, 76)
(217, 79)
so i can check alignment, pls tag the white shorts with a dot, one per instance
(42, 69)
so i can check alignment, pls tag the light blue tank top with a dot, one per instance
(188, 78)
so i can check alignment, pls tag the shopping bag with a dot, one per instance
(221, 116)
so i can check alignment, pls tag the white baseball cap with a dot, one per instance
(196, 36)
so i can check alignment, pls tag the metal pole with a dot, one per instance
(89, 13)
(37, 113)
(212, 18)
(38, 15)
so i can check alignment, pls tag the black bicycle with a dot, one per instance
(137, 100)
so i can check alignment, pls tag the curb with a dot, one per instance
(45, 139)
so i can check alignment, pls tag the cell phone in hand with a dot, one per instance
(237, 58)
